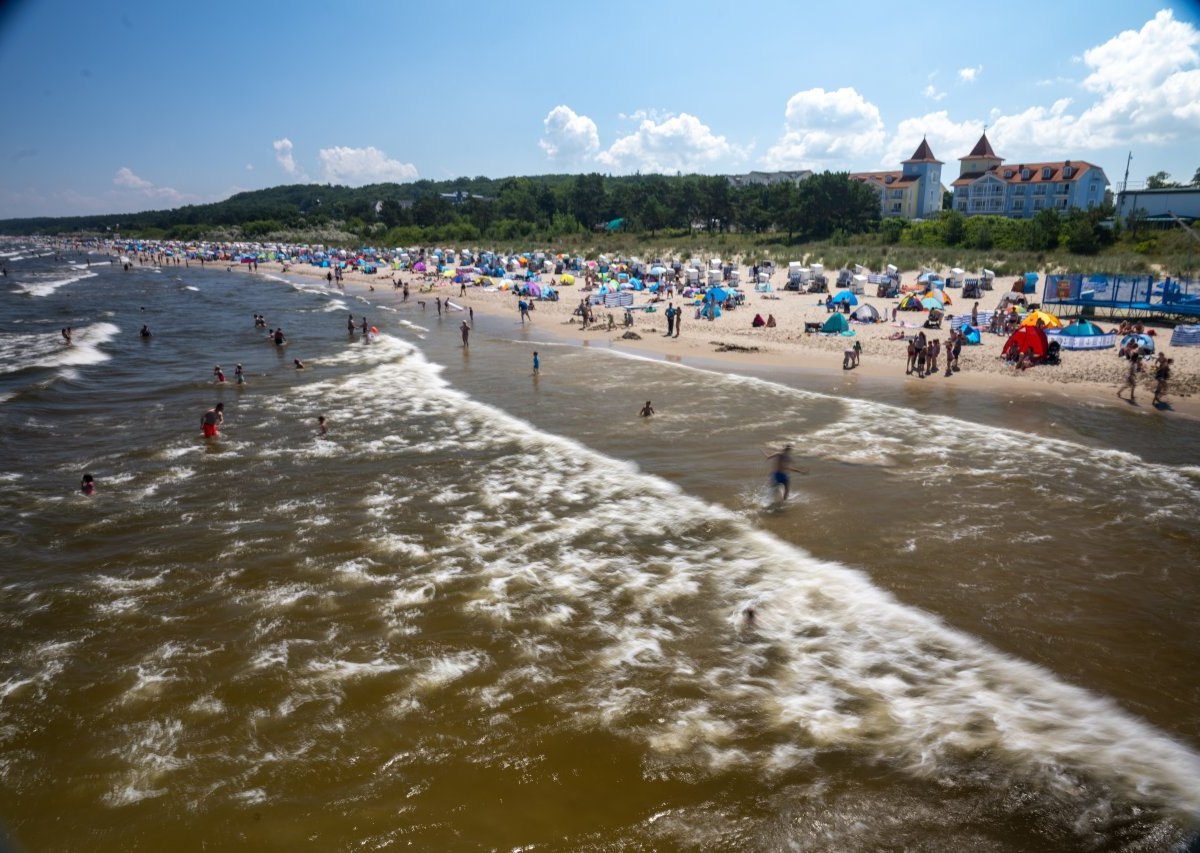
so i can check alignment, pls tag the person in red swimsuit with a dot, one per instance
(212, 420)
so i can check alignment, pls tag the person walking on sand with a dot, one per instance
(1162, 374)
(212, 421)
(678, 321)
(1135, 367)
(466, 332)
(647, 410)
(781, 466)
(670, 312)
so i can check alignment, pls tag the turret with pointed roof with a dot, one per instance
(923, 154)
(981, 159)
(983, 148)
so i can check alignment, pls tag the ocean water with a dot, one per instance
(499, 610)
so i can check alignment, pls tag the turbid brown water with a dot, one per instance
(493, 610)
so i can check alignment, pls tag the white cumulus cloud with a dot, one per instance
(359, 166)
(1140, 87)
(567, 137)
(947, 138)
(933, 94)
(968, 74)
(283, 155)
(827, 130)
(126, 179)
(678, 143)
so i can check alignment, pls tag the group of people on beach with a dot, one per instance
(923, 354)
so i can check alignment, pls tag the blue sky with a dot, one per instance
(139, 105)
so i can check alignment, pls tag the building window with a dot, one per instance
(1039, 203)
(1026, 174)
(1062, 189)
(1008, 173)
(1018, 203)
(1047, 172)
(895, 207)
(1040, 189)
(897, 193)
(1068, 171)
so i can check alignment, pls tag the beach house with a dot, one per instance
(986, 185)
(913, 192)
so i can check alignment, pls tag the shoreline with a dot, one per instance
(813, 356)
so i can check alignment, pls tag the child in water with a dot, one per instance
(88, 485)
(219, 373)
(239, 375)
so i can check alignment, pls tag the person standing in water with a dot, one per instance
(647, 410)
(537, 364)
(88, 484)
(466, 332)
(350, 327)
(781, 466)
(322, 429)
(212, 421)
(220, 374)
(239, 375)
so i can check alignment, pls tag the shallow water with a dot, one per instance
(493, 609)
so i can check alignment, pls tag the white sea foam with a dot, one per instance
(857, 670)
(45, 288)
(24, 351)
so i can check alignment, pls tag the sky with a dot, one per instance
(120, 107)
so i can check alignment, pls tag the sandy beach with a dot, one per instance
(731, 340)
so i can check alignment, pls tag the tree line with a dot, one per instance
(538, 207)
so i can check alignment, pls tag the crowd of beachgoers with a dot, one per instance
(914, 324)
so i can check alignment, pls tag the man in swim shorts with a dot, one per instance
(212, 420)
(781, 464)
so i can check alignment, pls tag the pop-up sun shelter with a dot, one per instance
(1083, 335)
(835, 325)
(865, 313)
(1026, 338)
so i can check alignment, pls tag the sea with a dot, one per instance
(497, 610)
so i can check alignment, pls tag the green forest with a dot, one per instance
(643, 212)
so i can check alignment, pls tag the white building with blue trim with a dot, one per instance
(986, 186)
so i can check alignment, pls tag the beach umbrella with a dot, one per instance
(567, 279)
(657, 270)
(1049, 321)
(845, 296)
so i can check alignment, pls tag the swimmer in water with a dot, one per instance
(220, 374)
(299, 364)
(322, 429)
(88, 484)
(647, 410)
(239, 375)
